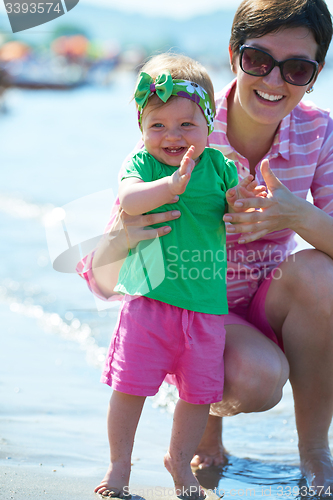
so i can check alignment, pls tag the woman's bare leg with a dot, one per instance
(123, 416)
(189, 423)
(299, 306)
(255, 373)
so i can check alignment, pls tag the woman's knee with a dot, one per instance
(307, 273)
(255, 371)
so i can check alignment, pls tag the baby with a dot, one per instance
(172, 326)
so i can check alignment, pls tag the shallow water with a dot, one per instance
(58, 148)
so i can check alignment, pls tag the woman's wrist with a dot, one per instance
(112, 247)
(307, 218)
(315, 226)
(298, 214)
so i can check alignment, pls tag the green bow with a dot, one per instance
(163, 87)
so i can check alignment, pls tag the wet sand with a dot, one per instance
(53, 441)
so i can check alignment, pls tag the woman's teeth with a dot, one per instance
(269, 97)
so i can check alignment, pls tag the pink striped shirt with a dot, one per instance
(301, 156)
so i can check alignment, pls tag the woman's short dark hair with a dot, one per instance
(256, 18)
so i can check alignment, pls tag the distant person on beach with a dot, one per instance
(280, 321)
(174, 326)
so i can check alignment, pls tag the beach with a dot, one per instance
(53, 439)
(53, 428)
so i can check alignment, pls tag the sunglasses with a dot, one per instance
(296, 71)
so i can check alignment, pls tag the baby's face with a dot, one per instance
(170, 129)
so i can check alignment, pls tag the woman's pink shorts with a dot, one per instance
(255, 315)
(153, 339)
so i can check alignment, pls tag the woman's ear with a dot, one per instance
(311, 84)
(231, 58)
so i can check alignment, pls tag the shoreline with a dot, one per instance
(53, 439)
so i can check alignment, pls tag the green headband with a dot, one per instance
(164, 87)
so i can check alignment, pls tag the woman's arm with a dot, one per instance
(125, 233)
(281, 209)
(137, 197)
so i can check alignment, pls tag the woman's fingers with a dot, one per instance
(248, 237)
(159, 218)
(149, 219)
(150, 234)
(255, 203)
(135, 226)
(254, 217)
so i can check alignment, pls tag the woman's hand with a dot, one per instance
(126, 232)
(134, 225)
(257, 216)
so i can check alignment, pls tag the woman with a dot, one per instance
(277, 49)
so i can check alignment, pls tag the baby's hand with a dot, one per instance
(179, 179)
(247, 188)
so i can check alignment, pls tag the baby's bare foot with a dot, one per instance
(317, 468)
(115, 482)
(186, 484)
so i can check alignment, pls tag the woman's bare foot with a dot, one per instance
(210, 450)
(115, 482)
(317, 468)
(186, 484)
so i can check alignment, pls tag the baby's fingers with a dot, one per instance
(187, 164)
(260, 191)
(247, 181)
(190, 152)
(183, 181)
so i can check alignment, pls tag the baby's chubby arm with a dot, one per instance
(137, 197)
(247, 188)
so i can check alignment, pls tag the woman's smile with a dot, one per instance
(269, 97)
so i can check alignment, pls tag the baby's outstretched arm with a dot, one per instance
(247, 188)
(137, 197)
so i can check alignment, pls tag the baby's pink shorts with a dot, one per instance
(153, 339)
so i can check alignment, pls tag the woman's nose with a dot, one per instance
(274, 78)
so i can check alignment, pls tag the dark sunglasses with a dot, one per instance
(257, 62)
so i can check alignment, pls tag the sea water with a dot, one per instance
(65, 148)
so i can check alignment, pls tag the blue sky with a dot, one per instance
(171, 8)
(174, 8)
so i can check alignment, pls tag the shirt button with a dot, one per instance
(254, 285)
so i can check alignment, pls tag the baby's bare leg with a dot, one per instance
(189, 423)
(123, 417)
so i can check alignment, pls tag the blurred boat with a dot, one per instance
(68, 65)
(44, 74)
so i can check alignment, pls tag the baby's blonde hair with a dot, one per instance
(181, 68)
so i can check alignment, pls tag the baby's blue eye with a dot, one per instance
(158, 125)
(186, 124)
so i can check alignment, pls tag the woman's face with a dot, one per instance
(267, 100)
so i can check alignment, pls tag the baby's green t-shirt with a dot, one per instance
(187, 267)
